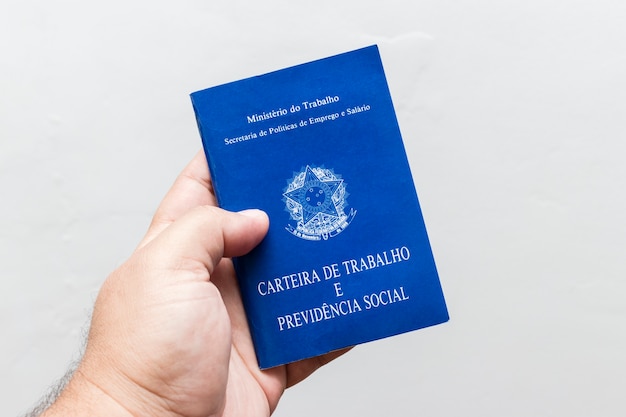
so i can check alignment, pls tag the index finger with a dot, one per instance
(191, 189)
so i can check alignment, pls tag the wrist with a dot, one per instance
(81, 397)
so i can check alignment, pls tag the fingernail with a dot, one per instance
(252, 213)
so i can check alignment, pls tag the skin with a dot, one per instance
(168, 335)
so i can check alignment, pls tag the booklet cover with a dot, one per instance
(347, 259)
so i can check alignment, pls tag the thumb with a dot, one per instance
(203, 236)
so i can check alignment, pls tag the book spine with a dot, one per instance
(205, 138)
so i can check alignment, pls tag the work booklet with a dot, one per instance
(347, 259)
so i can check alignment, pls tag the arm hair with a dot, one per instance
(57, 388)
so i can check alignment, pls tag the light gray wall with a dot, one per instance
(514, 118)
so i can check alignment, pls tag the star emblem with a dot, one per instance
(315, 196)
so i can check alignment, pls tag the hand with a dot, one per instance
(168, 335)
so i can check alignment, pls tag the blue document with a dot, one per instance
(347, 259)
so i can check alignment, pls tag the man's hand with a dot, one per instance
(169, 336)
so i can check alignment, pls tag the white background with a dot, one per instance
(514, 119)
